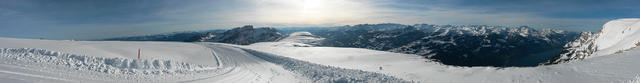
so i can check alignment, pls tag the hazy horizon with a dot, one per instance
(95, 19)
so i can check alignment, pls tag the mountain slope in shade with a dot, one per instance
(462, 45)
(241, 35)
(473, 45)
(175, 36)
(246, 35)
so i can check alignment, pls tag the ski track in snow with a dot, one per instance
(322, 73)
(33, 75)
(77, 68)
(245, 68)
(277, 67)
(234, 65)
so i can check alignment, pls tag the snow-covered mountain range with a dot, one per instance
(472, 45)
(241, 35)
(175, 36)
(244, 35)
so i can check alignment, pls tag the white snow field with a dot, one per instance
(30, 60)
(619, 68)
(297, 39)
(618, 35)
(27, 60)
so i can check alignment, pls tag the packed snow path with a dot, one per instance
(246, 68)
(26, 60)
(233, 66)
(277, 68)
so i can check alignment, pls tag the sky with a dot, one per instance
(96, 19)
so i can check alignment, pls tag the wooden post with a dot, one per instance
(138, 53)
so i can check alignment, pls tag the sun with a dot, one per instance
(309, 12)
(312, 6)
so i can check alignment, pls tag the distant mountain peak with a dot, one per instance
(246, 35)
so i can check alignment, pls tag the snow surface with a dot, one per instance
(618, 35)
(619, 68)
(28, 60)
(302, 37)
(636, 80)
(191, 53)
(298, 39)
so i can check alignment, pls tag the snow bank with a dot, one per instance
(618, 35)
(53, 61)
(174, 51)
(636, 80)
(99, 64)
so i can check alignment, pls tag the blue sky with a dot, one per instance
(94, 19)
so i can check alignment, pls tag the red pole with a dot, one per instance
(138, 53)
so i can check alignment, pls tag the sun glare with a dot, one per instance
(311, 6)
(310, 12)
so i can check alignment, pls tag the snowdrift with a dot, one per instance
(175, 51)
(98, 64)
(53, 61)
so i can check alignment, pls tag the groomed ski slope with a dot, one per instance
(28, 60)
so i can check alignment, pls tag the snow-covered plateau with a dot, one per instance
(616, 68)
(294, 59)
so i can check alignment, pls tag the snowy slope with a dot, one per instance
(297, 39)
(616, 36)
(619, 68)
(302, 37)
(28, 60)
